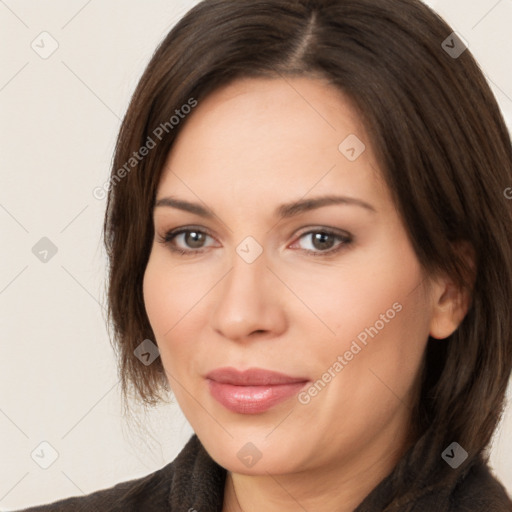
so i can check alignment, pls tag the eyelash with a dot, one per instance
(170, 235)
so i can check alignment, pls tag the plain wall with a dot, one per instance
(59, 121)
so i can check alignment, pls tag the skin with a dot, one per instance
(246, 149)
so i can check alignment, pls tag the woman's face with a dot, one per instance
(331, 295)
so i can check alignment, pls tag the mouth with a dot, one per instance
(253, 391)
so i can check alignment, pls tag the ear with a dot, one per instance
(450, 303)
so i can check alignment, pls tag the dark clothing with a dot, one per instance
(194, 482)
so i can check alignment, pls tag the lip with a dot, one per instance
(252, 391)
(252, 377)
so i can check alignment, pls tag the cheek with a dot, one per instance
(379, 317)
(168, 294)
(380, 376)
(159, 304)
(175, 303)
(350, 298)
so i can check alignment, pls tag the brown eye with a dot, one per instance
(323, 241)
(193, 239)
(185, 240)
(190, 241)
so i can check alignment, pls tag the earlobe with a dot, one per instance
(449, 311)
(451, 302)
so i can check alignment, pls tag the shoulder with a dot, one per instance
(193, 480)
(474, 489)
(150, 492)
(479, 491)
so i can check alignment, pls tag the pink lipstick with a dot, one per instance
(252, 391)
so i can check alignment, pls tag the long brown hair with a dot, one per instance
(443, 148)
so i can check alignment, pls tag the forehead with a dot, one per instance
(276, 137)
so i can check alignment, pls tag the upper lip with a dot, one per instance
(251, 377)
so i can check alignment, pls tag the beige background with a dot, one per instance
(59, 120)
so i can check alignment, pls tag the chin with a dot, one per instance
(245, 454)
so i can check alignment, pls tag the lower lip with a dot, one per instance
(252, 399)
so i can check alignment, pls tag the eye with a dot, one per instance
(323, 240)
(193, 240)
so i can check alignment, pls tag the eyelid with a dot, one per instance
(184, 229)
(345, 237)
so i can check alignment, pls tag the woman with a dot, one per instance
(310, 245)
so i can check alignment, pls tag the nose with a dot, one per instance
(249, 301)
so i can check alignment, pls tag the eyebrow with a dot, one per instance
(283, 211)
